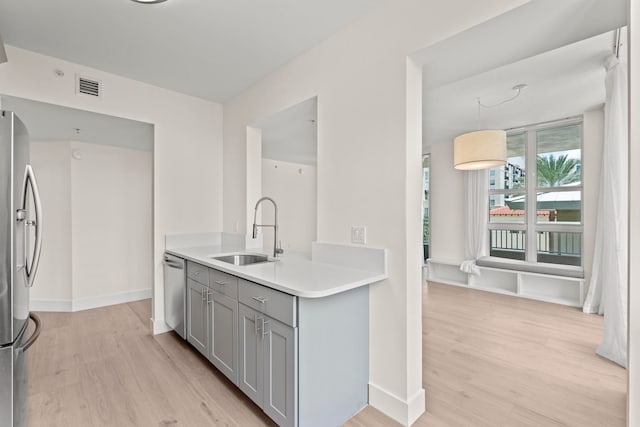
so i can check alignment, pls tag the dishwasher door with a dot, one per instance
(175, 284)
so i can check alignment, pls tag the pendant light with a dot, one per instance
(482, 149)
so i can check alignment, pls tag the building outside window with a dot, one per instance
(425, 206)
(539, 219)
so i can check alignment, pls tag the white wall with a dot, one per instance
(446, 204)
(296, 195)
(111, 213)
(187, 164)
(633, 418)
(51, 162)
(97, 237)
(254, 176)
(369, 163)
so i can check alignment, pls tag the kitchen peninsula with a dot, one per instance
(293, 332)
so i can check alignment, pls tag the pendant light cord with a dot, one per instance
(517, 88)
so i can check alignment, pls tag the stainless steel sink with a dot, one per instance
(242, 259)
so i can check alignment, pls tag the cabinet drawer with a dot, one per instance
(273, 303)
(224, 283)
(198, 272)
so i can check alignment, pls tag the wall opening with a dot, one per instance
(95, 174)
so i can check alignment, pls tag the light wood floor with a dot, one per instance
(488, 360)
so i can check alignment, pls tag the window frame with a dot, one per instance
(530, 225)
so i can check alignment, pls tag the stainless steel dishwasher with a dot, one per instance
(175, 285)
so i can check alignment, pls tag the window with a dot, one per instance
(425, 206)
(537, 217)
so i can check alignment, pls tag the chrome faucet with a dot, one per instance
(276, 249)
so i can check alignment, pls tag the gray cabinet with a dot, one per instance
(197, 316)
(223, 338)
(268, 364)
(304, 361)
(280, 364)
(250, 352)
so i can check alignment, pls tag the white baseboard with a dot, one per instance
(105, 300)
(90, 302)
(405, 412)
(417, 406)
(50, 305)
(158, 326)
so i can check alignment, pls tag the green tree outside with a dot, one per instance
(557, 171)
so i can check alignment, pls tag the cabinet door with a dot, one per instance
(250, 351)
(223, 341)
(197, 320)
(280, 372)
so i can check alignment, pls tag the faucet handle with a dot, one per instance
(279, 249)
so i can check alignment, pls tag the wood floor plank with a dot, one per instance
(489, 360)
(496, 360)
(102, 368)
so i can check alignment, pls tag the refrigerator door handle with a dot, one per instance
(34, 336)
(30, 181)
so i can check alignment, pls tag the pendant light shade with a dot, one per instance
(3, 54)
(483, 149)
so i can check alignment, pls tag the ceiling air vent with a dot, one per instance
(88, 86)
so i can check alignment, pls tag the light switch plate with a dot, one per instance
(359, 234)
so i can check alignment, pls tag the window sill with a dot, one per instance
(529, 267)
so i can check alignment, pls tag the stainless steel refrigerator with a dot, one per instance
(20, 243)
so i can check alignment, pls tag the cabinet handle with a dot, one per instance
(255, 323)
(221, 283)
(205, 294)
(262, 329)
(173, 264)
(209, 294)
(261, 300)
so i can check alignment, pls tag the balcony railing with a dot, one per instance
(559, 243)
(552, 246)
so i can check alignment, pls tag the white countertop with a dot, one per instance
(296, 273)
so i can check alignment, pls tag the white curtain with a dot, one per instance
(608, 286)
(476, 197)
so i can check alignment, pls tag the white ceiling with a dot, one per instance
(562, 83)
(557, 48)
(48, 122)
(291, 135)
(212, 49)
(215, 49)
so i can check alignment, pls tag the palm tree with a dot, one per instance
(557, 171)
